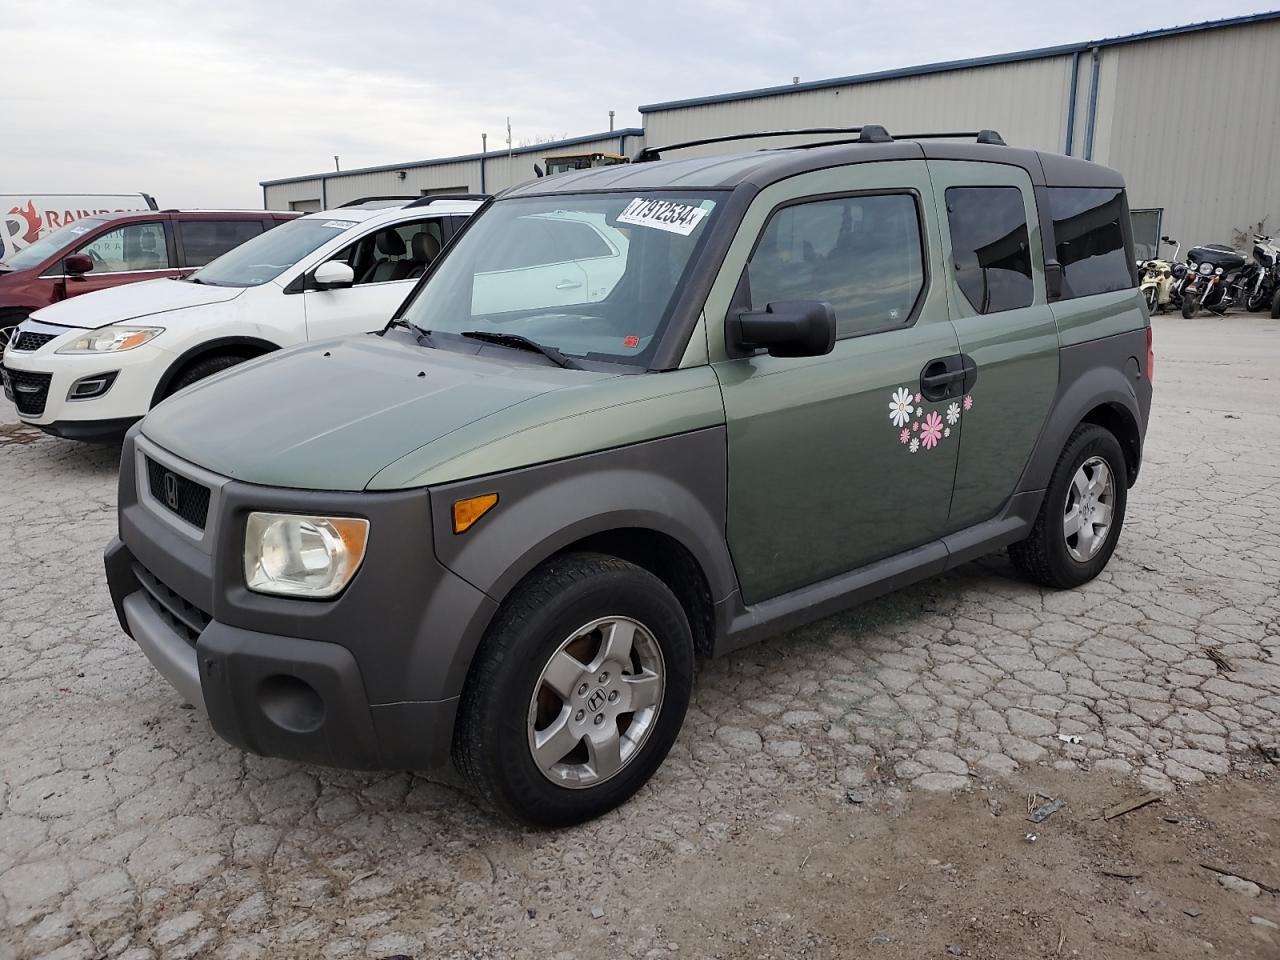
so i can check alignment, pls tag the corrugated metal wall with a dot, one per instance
(500, 172)
(1026, 102)
(1193, 125)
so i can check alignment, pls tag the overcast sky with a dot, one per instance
(197, 102)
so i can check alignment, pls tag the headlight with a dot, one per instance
(295, 556)
(1218, 271)
(111, 339)
(1206, 268)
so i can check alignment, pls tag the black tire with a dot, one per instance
(491, 741)
(1043, 557)
(1190, 306)
(1275, 305)
(1257, 301)
(1150, 294)
(200, 369)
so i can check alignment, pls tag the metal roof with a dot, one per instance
(949, 65)
(464, 158)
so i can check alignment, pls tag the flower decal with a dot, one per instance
(920, 428)
(900, 408)
(931, 432)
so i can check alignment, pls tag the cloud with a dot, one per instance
(197, 102)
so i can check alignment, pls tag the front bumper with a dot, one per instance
(370, 680)
(48, 376)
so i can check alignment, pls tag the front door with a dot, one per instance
(995, 279)
(840, 460)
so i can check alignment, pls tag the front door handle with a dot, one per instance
(947, 377)
(568, 284)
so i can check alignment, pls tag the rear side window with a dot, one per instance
(989, 247)
(1089, 240)
(863, 255)
(203, 241)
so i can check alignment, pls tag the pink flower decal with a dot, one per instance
(904, 436)
(915, 427)
(917, 398)
(932, 430)
(968, 401)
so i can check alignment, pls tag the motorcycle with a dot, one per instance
(1261, 278)
(1156, 279)
(1212, 280)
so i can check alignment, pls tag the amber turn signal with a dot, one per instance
(467, 512)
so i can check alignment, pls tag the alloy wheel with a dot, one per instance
(1086, 519)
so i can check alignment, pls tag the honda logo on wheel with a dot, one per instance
(171, 491)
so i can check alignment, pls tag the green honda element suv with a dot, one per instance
(633, 415)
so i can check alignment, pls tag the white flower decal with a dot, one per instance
(915, 444)
(946, 431)
(900, 408)
(953, 414)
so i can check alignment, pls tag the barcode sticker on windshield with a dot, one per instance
(339, 224)
(666, 215)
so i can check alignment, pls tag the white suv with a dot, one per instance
(87, 368)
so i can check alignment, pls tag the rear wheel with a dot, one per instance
(200, 369)
(1082, 513)
(577, 692)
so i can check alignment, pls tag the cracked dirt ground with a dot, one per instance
(857, 788)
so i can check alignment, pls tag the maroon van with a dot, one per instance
(110, 249)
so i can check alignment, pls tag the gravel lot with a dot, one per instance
(128, 830)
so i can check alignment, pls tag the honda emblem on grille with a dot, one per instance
(171, 490)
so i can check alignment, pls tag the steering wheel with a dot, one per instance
(96, 257)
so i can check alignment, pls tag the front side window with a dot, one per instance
(990, 247)
(399, 252)
(270, 254)
(136, 247)
(203, 241)
(861, 254)
(51, 243)
(594, 276)
(1089, 240)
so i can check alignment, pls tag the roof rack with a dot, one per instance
(867, 133)
(647, 154)
(362, 200)
(425, 201)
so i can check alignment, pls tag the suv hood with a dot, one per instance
(331, 415)
(133, 301)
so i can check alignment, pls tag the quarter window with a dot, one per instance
(989, 247)
(138, 246)
(862, 255)
(203, 241)
(1089, 240)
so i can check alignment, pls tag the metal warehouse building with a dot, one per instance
(1186, 113)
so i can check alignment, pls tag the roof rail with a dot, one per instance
(867, 133)
(359, 200)
(425, 201)
(655, 153)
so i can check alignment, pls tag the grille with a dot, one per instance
(186, 619)
(188, 499)
(30, 390)
(26, 340)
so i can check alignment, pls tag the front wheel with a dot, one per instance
(1190, 306)
(577, 691)
(200, 369)
(1080, 518)
(1152, 305)
(1258, 299)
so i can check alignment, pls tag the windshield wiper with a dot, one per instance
(424, 336)
(522, 343)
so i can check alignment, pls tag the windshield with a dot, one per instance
(270, 254)
(593, 276)
(52, 243)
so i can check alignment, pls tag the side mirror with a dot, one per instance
(332, 275)
(786, 328)
(77, 265)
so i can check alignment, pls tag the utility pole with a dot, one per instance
(336, 165)
(508, 138)
(611, 121)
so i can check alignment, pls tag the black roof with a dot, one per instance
(760, 168)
